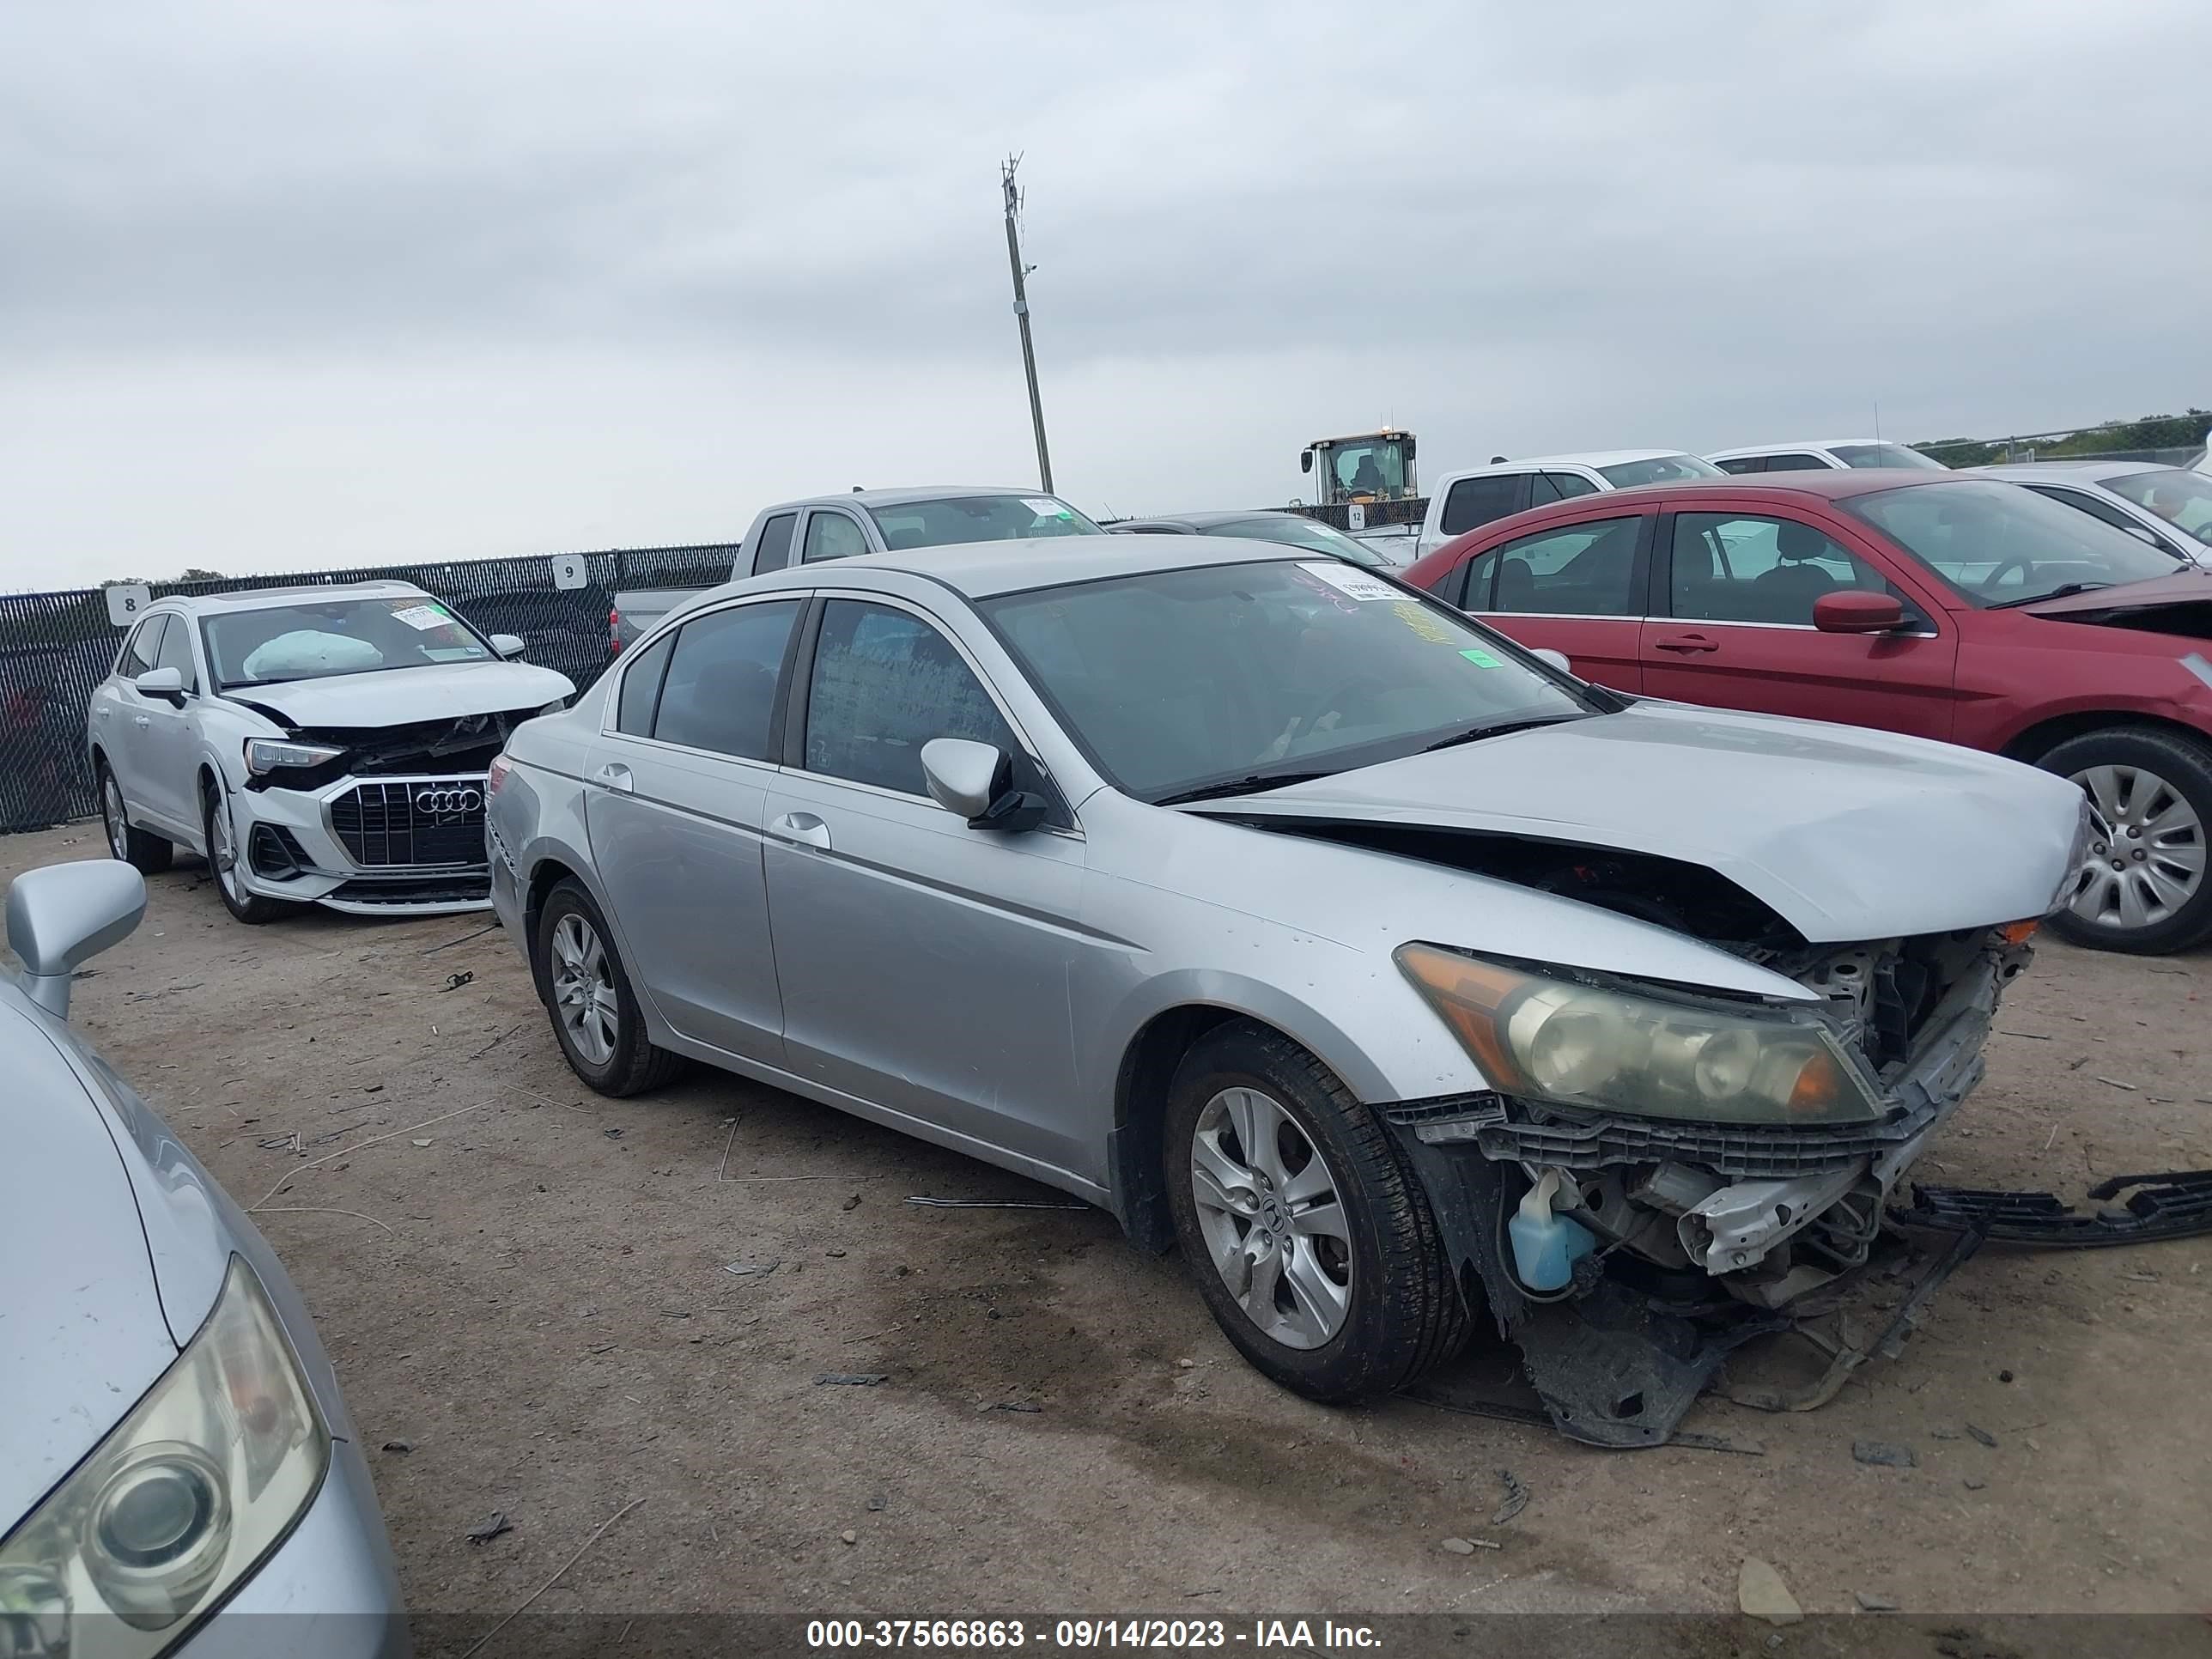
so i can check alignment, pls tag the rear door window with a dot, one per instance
(1797, 463)
(1474, 501)
(1580, 570)
(720, 691)
(1739, 464)
(775, 543)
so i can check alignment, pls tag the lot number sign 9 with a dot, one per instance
(568, 571)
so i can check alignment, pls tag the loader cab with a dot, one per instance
(1371, 467)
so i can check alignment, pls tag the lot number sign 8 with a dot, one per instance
(125, 600)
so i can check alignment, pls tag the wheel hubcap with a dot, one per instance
(584, 988)
(1273, 1223)
(110, 801)
(2146, 854)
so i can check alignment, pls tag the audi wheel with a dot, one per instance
(148, 854)
(224, 845)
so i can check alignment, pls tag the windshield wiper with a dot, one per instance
(1250, 785)
(1499, 729)
(2064, 590)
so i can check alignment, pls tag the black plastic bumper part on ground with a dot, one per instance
(2177, 1205)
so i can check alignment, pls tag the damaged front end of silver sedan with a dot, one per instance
(1664, 1173)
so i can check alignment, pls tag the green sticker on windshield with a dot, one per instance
(1481, 658)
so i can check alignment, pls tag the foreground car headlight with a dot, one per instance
(182, 1500)
(1577, 1045)
(267, 754)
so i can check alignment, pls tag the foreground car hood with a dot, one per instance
(399, 696)
(81, 1331)
(1846, 833)
(2180, 605)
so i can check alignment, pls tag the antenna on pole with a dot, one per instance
(1022, 311)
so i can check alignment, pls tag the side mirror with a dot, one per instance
(165, 683)
(63, 915)
(1305, 460)
(1857, 610)
(1559, 660)
(975, 781)
(508, 645)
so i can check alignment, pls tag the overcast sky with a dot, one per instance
(285, 285)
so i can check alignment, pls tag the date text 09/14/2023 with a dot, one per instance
(1261, 1636)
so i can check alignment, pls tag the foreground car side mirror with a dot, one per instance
(63, 915)
(165, 683)
(975, 780)
(1857, 610)
(508, 645)
(1559, 660)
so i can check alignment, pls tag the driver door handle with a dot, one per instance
(141, 720)
(803, 827)
(616, 776)
(1686, 644)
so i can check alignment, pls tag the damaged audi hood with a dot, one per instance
(1846, 833)
(400, 697)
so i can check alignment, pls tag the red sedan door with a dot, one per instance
(1732, 623)
(1578, 587)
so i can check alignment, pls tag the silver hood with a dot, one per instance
(1846, 833)
(81, 1331)
(401, 696)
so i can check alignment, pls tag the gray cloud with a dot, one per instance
(356, 264)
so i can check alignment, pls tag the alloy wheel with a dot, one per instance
(584, 988)
(223, 851)
(111, 808)
(1273, 1219)
(2147, 851)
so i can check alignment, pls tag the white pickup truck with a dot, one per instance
(865, 521)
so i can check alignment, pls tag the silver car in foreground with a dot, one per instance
(176, 1466)
(1294, 917)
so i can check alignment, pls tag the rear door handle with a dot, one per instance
(141, 720)
(616, 776)
(803, 827)
(1686, 644)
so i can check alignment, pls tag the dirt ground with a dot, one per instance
(526, 1284)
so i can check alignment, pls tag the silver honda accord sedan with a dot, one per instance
(177, 1475)
(1400, 977)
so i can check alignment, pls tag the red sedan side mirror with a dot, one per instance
(1857, 610)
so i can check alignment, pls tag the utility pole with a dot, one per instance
(1022, 314)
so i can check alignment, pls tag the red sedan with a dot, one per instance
(1935, 604)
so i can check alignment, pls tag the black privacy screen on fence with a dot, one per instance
(55, 648)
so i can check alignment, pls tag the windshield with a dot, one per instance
(1999, 543)
(312, 641)
(1293, 531)
(1659, 468)
(1374, 466)
(2184, 500)
(978, 518)
(1885, 455)
(1247, 676)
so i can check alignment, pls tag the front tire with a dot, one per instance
(220, 837)
(1311, 1240)
(148, 854)
(587, 991)
(2144, 887)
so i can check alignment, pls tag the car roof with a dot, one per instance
(248, 598)
(1580, 458)
(1777, 448)
(982, 570)
(873, 498)
(2080, 472)
(1830, 485)
(1213, 517)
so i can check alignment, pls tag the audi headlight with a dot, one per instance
(267, 754)
(1620, 1051)
(182, 1500)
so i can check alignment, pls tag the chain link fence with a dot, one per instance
(55, 647)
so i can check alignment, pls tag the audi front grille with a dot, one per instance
(422, 821)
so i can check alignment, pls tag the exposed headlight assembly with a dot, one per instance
(267, 754)
(1620, 1051)
(183, 1499)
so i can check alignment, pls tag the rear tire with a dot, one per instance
(220, 837)
(586, 991)
(148, 854)
(2144, 887)
(1315, 1247)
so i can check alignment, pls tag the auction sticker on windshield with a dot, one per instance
(1045, 507)
(424, 617)
(1349, 580)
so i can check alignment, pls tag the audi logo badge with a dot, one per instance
(440, 802)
